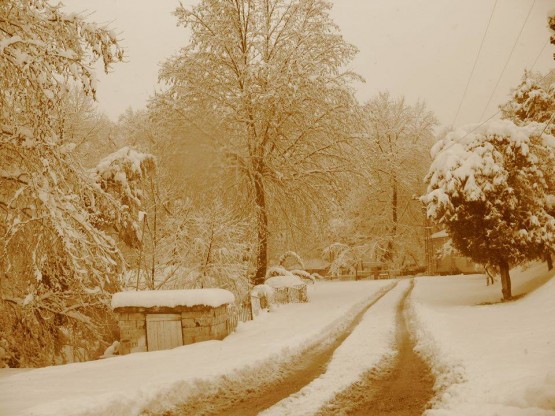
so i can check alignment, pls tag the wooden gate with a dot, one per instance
(163, 331)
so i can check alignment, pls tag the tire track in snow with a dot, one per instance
(403, 387)
(250, 394)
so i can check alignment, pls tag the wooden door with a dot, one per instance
(163, 331)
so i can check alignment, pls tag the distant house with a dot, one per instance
(447, 264)
(317, 266)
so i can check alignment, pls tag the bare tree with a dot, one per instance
(398, 139)
(269, 73)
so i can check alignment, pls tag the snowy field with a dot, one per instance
(496, 359)
(155, 380)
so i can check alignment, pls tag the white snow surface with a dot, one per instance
(371, 342)
(262, 290)
(489, 359)
(289, 280)
(172, 298)
(133, 383)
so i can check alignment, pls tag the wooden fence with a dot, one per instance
(239, 313)
(252, 305)
(291, 294)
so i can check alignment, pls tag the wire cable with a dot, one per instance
(539, 54)
(508, 59)
(475, 63)
(497, 113)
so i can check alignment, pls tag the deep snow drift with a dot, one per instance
(489, 359)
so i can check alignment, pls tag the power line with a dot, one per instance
(540, 54)
(497, 113)
(475, 62)
(508, 59)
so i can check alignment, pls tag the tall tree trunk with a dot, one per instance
(549, 260)
(394, 220)
(505, 279)
(262, 232)
(394, 208)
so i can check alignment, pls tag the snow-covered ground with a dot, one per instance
(155, 380)
(489, 359)
(369, 344)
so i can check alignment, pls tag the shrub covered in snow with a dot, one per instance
(532, 100)
(288, 280)
(307, 277)
(293, 258)
(276, 271)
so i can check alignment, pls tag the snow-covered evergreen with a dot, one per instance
(491, 186)
(533, 100)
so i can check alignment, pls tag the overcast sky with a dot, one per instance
(422, 49)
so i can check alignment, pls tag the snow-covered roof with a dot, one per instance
(440, 234)
(172, 298)
(289, 280)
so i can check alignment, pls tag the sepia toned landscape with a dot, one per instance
(277, 207)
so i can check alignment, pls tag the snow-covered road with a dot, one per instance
(488, 358)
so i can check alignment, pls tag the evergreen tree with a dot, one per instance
(490, 186)
(533, 100)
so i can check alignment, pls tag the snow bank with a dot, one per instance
(289, 280)
(262, 290)
(371, 342)
(488, 359)
(172, 298)
(131, 384)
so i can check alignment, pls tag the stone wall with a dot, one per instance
(291, 294)
(132, 328)
(198, 323)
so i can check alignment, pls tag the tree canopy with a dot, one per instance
(270, 73)
(59, 257)
(492, 186)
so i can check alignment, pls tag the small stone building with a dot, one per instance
(155, 320)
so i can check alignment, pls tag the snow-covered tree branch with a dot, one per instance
(492, 187)
(270, 72)
(58, 260)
